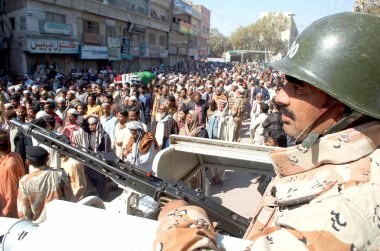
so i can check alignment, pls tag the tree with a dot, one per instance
(264, 34)
(218, 43)
(371, 7)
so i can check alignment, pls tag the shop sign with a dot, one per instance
(138, 28)
(172, 50)
(163, 53)
(193, 52)
(55, 28)
(113, 42)
(185, 27)
(154, 52)
(93, 52)
(183, 51)
(135, 51)
(52, 46)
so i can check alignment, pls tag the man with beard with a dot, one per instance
(212, 107)
(141, 147)
(183, 97)
(163, 126)
(99, 141)
(61, 106)
(221, 127)
(70, 96)
(77, 136)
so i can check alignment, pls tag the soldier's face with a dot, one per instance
(300, 105)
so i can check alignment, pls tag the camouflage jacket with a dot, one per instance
(323, 198)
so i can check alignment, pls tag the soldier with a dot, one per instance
(32, 198)
(325, 194)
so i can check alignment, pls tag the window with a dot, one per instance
(23, 23)
(13, 23)
(152, 38)
(110, 31)
(90, 27)
(55, 17)
(162, 41)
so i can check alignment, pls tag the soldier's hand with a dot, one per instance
(171, 205)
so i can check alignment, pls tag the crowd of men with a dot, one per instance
(131, 119)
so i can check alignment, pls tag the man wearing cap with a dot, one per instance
(326, 192)
(99, 141)
(32, 199)
(61, 106)
(141, 147)
(11, 170)
(163, 126)
(77, 136)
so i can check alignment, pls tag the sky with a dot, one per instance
(228, 15)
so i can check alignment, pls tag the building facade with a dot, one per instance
(122, 35)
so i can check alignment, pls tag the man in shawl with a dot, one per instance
(163, 126)
(142, 146)
(192, 127)
(99, 141)
(77, 136)
(220, 126)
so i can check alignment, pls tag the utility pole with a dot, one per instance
(291, 15)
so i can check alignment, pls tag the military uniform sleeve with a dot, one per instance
(185, 228)
(23, 202)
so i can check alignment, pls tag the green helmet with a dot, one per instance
(340, 55)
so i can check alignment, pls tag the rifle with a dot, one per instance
(144, 182)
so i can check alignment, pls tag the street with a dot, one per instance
(239, 191)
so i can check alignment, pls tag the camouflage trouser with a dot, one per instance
(237, 129)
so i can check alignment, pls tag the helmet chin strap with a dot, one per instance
(326, 119)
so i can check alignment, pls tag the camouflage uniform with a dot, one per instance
(40, 187)
(323, 198)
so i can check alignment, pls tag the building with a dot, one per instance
(190, 31)
(94, 34)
